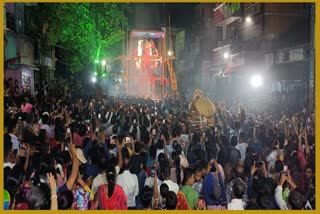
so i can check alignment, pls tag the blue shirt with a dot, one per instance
(207, 190)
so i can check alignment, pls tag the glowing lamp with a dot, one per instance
(248, 19)
(256, 81)
(170, 53)
(226, 55)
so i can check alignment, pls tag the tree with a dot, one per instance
(233, 7)
(86, 30)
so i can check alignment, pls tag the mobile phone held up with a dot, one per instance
(153, 171)
(259, 164)
(154, 132)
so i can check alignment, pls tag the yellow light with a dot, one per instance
(170, 53)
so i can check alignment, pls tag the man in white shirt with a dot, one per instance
(13, 130)
(242, 146)
(129, 183)
(150, 180)
(166, 173)
(238, 190)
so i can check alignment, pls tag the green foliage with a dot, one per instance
(233, 7)
(81, 27)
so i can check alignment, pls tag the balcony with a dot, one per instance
(223, 15)
(252, 9)
(25, 50)
(289, 55)
(238, 59)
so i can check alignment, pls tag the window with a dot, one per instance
(282, 57)
(269, 58)
(296, 55)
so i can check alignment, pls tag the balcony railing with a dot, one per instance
(237, 59)
(252, 9)
(224, 16)
(289, 55)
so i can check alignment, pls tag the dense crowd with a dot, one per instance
(81, 149)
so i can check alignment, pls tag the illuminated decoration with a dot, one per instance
(170, 53)
(256, 81)
(95, 73)
(96, 61)
(140, 47)
(104, 62)
(148, 67)
(103, 74)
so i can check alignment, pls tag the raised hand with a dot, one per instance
(52, 182)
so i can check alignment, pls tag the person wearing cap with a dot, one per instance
(80, 156)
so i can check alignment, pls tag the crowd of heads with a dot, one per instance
(82, 149)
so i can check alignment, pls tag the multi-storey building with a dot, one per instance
(23, 59)
(259, 38)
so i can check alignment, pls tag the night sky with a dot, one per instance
(181, 14)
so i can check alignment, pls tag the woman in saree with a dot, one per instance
(111, 196)
(188, 198)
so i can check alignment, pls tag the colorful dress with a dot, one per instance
(118, 200)
(187, 198)
(81, 198)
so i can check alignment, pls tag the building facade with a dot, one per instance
(260, 38)
(23, 59)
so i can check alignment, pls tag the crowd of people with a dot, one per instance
(84, 150)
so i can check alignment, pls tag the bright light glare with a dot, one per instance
(93, 79)
(226, 55)
(120, 80)
(170, 53)
(96, 61)
(104, 62)
(248, 19)
(256, 81)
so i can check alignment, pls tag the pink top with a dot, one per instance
(27, 108)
